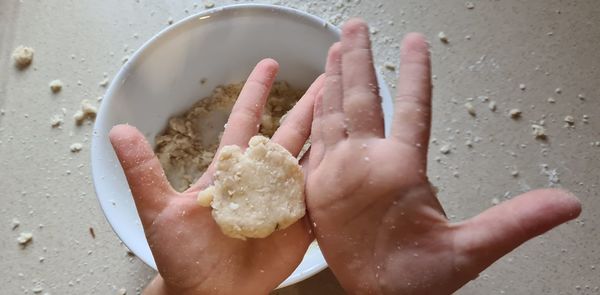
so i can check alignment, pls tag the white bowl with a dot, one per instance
(162, 79)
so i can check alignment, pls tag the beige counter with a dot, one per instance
(543, 44)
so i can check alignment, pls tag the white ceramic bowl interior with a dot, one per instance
(162, 78)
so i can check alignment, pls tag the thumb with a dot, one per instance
(146, 178)
(497, 231)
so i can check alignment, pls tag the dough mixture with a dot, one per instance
(188, 145)
(255, 192)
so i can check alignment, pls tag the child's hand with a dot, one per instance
(374, 213)
(192, 254)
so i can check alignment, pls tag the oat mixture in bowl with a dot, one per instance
(190, 140)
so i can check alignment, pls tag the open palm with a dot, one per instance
(376, 217)
(193, 256)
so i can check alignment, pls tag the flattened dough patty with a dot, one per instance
(256, 192)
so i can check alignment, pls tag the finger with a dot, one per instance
(317, 145)
(245, 118)
(146, 178)
(246, 115)
(497, 231)
(362, 104)
(412, 115)
(333, 129)
(293, 133)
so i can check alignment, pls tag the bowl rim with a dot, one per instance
(122, 75)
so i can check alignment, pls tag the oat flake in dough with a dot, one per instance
(257, 191)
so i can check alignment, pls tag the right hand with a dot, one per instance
(377, 220)
(193, 256)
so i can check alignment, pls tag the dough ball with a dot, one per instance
(257, 191)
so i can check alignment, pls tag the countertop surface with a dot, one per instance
(549, 46)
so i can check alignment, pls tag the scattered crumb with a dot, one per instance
(55, 86)
(492, 106)
(570, 120)
(538, 131)
(470, 5)
(125, 59)
(23, 56)
(468, 37)
(76, 147)
(170, 21)
(515, 113)
(445, 149)
(442, 36)
(122, 291)
(25, 238)
(15, 223)
(581, 96)
(495, 201)
(585, 119)
(551, 100)
(92, 233)
(87, 111)
(79, 117)
(470, 109)
(522, 86)
(469, 143)
(56, 121)
(558, 91)
(209, 5)
(553, 175)
(104, 82)
(514, 173)
(37, 289)
(389, 66)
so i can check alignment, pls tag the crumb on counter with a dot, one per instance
(55, 86)
(56, 121)
(538, 131)
(570, 120)
(87, 112)
(24, 238)
(443, 37)
(76, 147)
(104, 82)
(23, 56)
(389, 66)
(445, 149)
(470, 109)
(515, 113)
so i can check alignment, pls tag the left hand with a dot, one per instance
(378, 222)
(193, 256)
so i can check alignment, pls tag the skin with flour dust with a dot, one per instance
(377, 220)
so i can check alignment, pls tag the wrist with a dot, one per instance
(158, 286)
